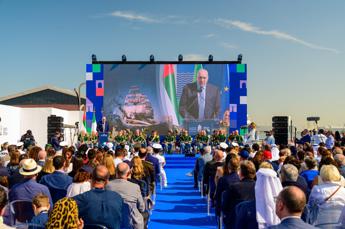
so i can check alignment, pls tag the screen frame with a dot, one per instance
(165, 62)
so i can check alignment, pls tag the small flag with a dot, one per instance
(94, 123)
(83, 125)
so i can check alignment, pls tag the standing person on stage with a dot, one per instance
(200, 100)
(103, 126)
(251, 133)
(169, 142)
(185, 142)
(153, 138)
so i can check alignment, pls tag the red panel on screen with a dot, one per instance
(99, 91)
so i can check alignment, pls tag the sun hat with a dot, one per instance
(29, 167)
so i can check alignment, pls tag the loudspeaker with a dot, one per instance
(280, 127)
(54, 123)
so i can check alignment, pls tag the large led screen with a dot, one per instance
(169, 96)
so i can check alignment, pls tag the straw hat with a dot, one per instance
(29, 167)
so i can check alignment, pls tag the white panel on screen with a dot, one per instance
(243, 99)
(89, 76)
(233, 107)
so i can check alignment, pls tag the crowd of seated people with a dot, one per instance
(82, 187)
(250, 185)
(275, 186)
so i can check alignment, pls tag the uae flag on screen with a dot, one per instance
(170, 92)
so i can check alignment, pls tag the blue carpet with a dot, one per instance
(180, 205)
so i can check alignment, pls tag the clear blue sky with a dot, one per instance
(294, 49)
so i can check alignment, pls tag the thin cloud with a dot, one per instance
(247, 27)
(228, 45)
(131, 16)
(210, 35)
(194, 57)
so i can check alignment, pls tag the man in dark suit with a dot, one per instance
(58, 181)
(103, 125)
(200, 100)
(238, 192)
(210, 171)
(289, 207)
(149, 170)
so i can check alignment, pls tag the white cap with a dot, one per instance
(223, 145)
(19, 144)
(157, 146)
(110, 145)
(234, 144)
(63, 144)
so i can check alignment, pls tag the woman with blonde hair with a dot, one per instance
(327, 199)
(138, 176)
(48, 168)
(108, 161)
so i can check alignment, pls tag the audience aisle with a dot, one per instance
(180, 205)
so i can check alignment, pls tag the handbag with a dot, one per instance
(313, 209)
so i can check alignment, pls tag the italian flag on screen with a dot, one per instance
(170, 92)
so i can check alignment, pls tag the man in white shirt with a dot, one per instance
(157, 149)
(319, 138)
(119, 156)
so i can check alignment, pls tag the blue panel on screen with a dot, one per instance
(89, 68)
(233, 68)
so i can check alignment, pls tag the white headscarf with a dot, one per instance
(275, 152)
(267, 187)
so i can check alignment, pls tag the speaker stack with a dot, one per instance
(280, 127)
(54, 123)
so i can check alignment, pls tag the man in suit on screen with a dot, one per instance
(200, 100)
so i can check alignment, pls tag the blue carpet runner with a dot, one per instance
(180, 205)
